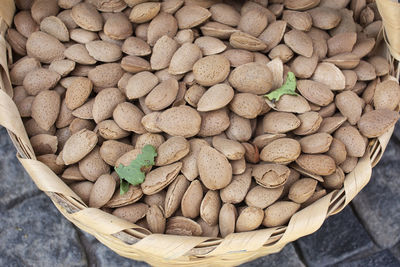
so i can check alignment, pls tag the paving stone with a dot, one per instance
(377, 205)
(396, 133)
(33, 233)
(396, 251)
(286, 257)
(382, 258)
(341, 236)
(101, 256)
(15, 182)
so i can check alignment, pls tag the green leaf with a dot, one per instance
(133, 174)
(123, 187)
(288, 88)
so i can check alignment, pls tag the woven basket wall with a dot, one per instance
(132, 241)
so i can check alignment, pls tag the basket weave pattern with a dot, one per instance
(132, 241)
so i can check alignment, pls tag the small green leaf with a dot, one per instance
(288, 88)
(133, 174)
(123, 187)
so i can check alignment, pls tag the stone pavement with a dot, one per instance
(367, 233)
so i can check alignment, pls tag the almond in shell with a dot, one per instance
(144, 12)
(365, 71)
(39, 80)
(237, 190)
(376, 122)
(102, 191)
(330, 75)
(299, 42)
(135, 64)
(302, 190)
(79, 54)
(233, 150)
(55, 27)
(78, 146)
(180, 121)
(380, 64)
(349, 104)
(317, 164)
(315, 92)
(162, 95)
(249, 219)
(174, 195)
(163, 51)
(118, 27)
(337, 151)
(21, 68)
(227, 219)
(184, 58)
(282, 52)
(162, 24)
(253, 22)
(283, 150)
(105, 102)
(210, 207)
(316, 143)
(155, 219)
(251, 78)
(214, 169)
(43, 8)
(387, 95)
(304, 67)
(344, 61)
(45, 108)
(225, 14)
(301, 21)
(172, 150)
(325, 18)
(132, 213)
(279, 213)
(53, 50)
(215, 122)
(191, 16)
(128, 117)
(270, 175)
(179, 225)
(159, 178)
(246, 41)
(211, 70)
(239, 128)
(44, 144)
(352, 139)
(341, 43)
(104, 51)
(331, 124)
(280, 122)
(335, 180)
(78, 92)
(246, 105)
(218, 30)
(140, 84)
(135, 46)
(24, 23)
(300, 5)
(216, 97)
(192, 199)
(273, 34)
(262, 197)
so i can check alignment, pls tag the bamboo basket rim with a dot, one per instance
(132, 241)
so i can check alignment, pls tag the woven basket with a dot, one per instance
(132, 241)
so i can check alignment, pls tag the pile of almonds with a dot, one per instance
(97, 80)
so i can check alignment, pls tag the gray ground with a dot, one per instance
(367, 233)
